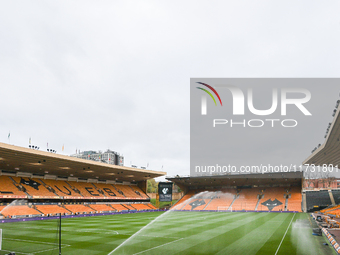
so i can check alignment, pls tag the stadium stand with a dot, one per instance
(317, 198)
(139, 192)
(88, 190)
(34, 187)
(79, 208)
(62, 189)
(101, 207)
(222, 199)
(8, 189)
(246, 199)
(152, 207)
(51, 209)
(19, 210)
(119, 207)
(295, 200)
(273, 199)
(141, 207)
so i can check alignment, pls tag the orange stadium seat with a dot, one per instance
(9, 190)
(109, 190)
(19, 210)
(246, 200)
(51, 209)
(88, 190)
(139, 192)
(295, 200)
(184, 200)
(223, 199)
(127, 190)
(79, 208)
(101, 207)
(62, 189)
(34, 187)
(273, 199)
(141, 207)
(119, 207)
(151, 206)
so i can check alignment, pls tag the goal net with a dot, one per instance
(224, 209)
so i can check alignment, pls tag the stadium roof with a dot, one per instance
(329, 152)
(240, 179)
(20, 159)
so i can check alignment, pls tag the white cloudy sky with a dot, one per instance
(94, 75)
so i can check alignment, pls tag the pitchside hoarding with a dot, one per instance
(257, 125)
(165, 191)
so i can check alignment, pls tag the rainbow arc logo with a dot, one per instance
(209, 93)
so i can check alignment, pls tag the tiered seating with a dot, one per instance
(183, 201)
(78, 208)
(139, 191)
(295, 200)
(317, 198)
(9, 190)
(101, 207)
(88, 190)
(128, 192)
(119, 207)
(19, 210)
(246, 200)
(273, 199)
(109, 191)
(130, 207)
(141, 207)
(152, 206)
(330, 210)
(51, 209)
(62, 189)
(34, 187)
(223, 199)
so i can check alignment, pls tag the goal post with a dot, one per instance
(0, 239)
(224, 209)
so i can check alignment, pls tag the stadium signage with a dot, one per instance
(239, 105)
(165, 191)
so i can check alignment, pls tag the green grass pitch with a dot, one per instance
(171, 233)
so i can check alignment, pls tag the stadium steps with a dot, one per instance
(74, 189)
(17, 185)
(258, 202)
(231, 205)
(99, 190)
(286, 204)
(214, 195)
(135, 191)
(114, 209)
(331, 197)
(49, 188)
(35, 208)
(63, 206)
(118, 190)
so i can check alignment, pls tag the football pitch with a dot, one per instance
(172, 232)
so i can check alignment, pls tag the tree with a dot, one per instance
(152, 186)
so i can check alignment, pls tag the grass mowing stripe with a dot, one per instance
(229, 233)
(157, 246)
(250, 244)
(278, 248)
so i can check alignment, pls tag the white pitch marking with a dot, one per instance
(284, 235)
(158, 246)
